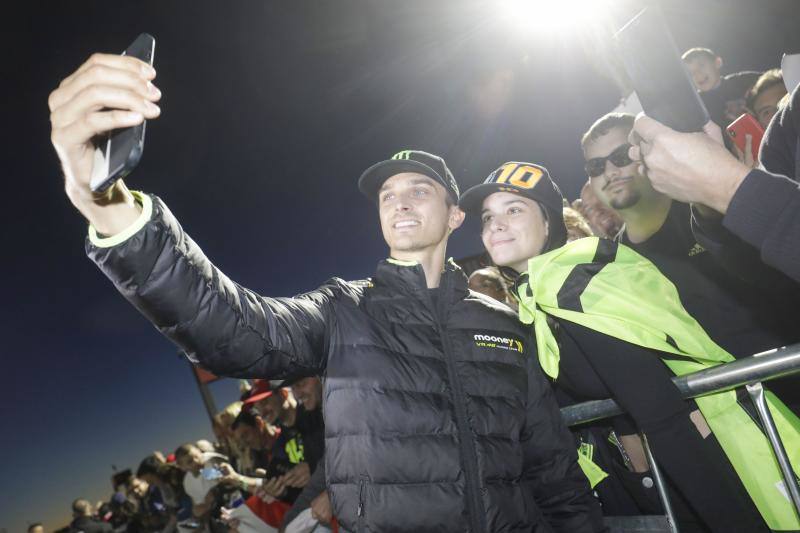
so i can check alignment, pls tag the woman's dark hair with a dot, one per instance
(150, 465)
(184, 449)
(767, 80)
(168, 473)
(245, 417)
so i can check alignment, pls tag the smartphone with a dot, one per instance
(659, 77)
(740, 127)
(118, 152)
(210, 473)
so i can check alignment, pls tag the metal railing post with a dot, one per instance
(748, 372)
(756, 391)
(660, 485)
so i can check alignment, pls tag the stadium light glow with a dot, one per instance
(548, 16)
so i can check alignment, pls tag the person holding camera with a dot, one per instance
(434, 401)
(760, 206)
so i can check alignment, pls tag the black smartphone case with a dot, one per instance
(659, 77)
(125, 146)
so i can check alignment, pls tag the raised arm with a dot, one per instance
(106, 92)
(228, 329)
(140, 246)
(758, 208)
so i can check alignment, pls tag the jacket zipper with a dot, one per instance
(360, 498)
(360, 511)
(468, 453)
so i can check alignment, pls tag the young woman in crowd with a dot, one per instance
(521, 213)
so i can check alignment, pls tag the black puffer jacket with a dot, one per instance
(437, 416)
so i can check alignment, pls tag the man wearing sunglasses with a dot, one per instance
(742, 305)
(615, 179)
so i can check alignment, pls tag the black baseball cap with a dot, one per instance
(423, 163)
(531, 181)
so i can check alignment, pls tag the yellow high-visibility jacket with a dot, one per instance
(608, 287)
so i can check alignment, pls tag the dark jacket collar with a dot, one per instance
(80, 522)
(409, 278)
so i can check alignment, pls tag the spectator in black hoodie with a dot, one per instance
(724, 96)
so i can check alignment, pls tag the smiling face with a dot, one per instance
(271, 408)
(513, 229)
(705, 72)
(617, 187)
(415, 214)
(308, 392)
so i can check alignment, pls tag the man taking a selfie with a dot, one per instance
(437, 415)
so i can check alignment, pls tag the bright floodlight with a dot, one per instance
(545, 16)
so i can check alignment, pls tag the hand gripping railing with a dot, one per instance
(748, 372)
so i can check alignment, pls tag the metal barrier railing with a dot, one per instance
(749, 373)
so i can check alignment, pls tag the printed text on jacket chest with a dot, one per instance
(498, 341)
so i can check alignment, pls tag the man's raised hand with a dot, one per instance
(105, 93)
(688, 167)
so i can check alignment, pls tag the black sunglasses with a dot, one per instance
(618, 157)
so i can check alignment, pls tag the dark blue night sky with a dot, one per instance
(271, 110)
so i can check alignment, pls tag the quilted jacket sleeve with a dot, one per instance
(226, 328)
(731, 240)
(764, 213)
(550, 470)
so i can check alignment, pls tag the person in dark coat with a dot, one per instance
(84, 522)
(437, 416)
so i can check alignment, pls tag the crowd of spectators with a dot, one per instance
(256, 477)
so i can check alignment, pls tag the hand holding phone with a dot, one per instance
(657, 73)
(210, 473)
(119, 151)
(122, 96)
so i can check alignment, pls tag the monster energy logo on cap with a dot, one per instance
(417, 161)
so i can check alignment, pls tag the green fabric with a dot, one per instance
(591, 470)
(400, 262)
(628, 298)
(113, 240)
